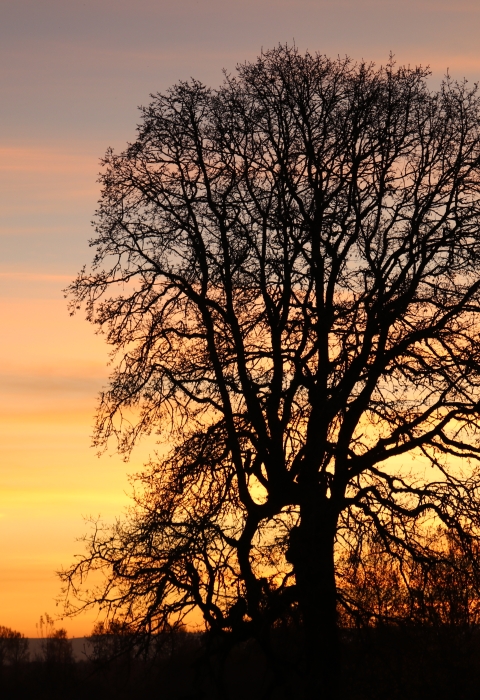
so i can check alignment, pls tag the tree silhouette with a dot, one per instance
(287, 269)
(440, 591)
(56, 647)
(13, 647)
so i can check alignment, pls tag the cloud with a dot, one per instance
(48, 384)
(38, 159)
(35, 277)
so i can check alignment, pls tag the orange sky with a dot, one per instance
(71, 76)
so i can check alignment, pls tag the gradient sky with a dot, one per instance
(72, 75)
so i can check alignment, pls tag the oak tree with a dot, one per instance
(287, 269)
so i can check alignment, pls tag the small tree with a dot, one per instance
(13, 647)
(110, 641)
(288, 270)
(56, 647)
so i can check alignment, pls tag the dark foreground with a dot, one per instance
(377, 664)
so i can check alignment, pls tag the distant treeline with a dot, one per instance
(111, 663)
(385, 663)
(414, 632)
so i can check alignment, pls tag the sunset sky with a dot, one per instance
(72, 75)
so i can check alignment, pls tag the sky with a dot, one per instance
(72, 75)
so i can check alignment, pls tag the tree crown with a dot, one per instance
(287, 267)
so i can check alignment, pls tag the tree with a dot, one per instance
(57, 649)
(13, 647)
(380, 591)
(110, 641)
(287, 269)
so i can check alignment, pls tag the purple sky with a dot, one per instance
(73, 73)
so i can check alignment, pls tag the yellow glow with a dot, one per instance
(51, 369)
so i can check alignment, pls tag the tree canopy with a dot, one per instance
(287, 270)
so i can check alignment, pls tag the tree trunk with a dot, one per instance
(311, 553)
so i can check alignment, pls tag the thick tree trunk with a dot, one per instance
(311, 553)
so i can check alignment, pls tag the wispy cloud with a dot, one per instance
(35, 159)
(35, 277)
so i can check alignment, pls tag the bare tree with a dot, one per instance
(56, 648)
(438, 591)
(287, 268)
(13, 647)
